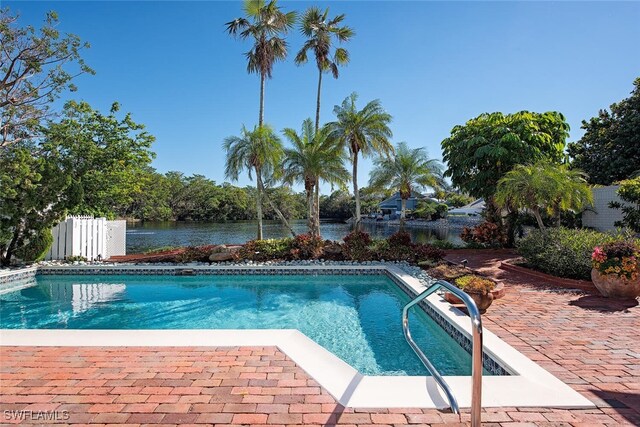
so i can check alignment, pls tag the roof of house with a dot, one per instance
(392, 202)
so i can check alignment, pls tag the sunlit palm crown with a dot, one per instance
(264, 22)
(544, 186)
(314, 156)
(407, 170)
(319, 31)
(365, 130)
(259, 149)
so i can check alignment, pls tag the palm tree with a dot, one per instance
(257, 152)
(408, 170)
(543, 187)
(363, 131)
(313, 157)
(265, 23)
(320, 32)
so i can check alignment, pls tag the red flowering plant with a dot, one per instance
(619, 258)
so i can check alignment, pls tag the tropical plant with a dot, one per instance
(472, 283)
(265, 23)
(256, 152)
(485, 148)
(363, 131)
(407, 170)
(320, 31)
(609, 150)
(542, 187)
(629, 191)
(313, 157)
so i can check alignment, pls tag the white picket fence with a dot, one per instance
(88, 237)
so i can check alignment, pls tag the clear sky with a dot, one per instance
(432, 64)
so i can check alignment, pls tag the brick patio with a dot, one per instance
(587, 341)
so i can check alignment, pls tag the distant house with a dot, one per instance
(600, 216)
(393, 205)
(473, 209)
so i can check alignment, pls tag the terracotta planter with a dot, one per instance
(483, 301)
(614, 286)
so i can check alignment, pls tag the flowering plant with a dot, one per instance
(619, 258)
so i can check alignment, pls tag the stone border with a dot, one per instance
(528, 386)
(583, 285)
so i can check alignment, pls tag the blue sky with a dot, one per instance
(432, 64)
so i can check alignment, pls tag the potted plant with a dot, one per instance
(478, 288)
(616, 269)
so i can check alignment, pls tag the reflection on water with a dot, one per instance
(149, 235)
(83, 296)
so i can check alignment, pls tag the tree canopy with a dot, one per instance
(35, 67)
(609, 150)
(482, 150)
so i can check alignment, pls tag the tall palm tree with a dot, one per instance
(265, 23)
(314, 157)
(258, 152)
(407, 170)
(363, 131)
(544, 187)
(320, 31)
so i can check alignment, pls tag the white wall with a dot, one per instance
(603, 218)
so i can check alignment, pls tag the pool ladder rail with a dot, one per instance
(476, 352)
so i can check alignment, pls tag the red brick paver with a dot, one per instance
(587, 341)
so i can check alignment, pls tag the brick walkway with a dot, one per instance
(587, 341)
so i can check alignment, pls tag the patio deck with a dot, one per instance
(587, 341)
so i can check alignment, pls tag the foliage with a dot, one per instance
(562, 252)
(357, 246)
(629, 191)
(485, 234)
(314, 157)
(458, 200)
(543, 187)
(76, 258)
(448, 272)
(363, 131)
(307, 246)
(428, 209)
(618, 258)
(86, 163)
(36, 248)
(265, 24)
(194, 254)
(338, 205)
(398, 247)
(609, 150)
(263, 250)
(320, 31)
(482, 150)
(407, 169)
(475, 284)
(36, 66)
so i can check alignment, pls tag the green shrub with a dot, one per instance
(428, 209)
(37, 247)
(562, 252)
(475, 284)
(263, 250)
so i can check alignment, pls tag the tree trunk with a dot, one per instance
(403, 211)
(310, 208)
(275, 208)
(356, 192)
(259, 203)
(261, 115)
(536, 213)
(318, 100)
(316, 219)
(5, 261)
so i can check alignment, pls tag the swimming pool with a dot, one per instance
(358, 318)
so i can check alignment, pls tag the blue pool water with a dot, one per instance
(358, 318)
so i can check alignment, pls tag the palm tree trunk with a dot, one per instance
(356, 192)
(261, 115)
(259, 203)
(310, 211)
(275, 208)
(316, 219)
(536, 213)
(318, 100)
(403, 211)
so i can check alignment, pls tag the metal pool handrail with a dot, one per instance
(476, 353)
